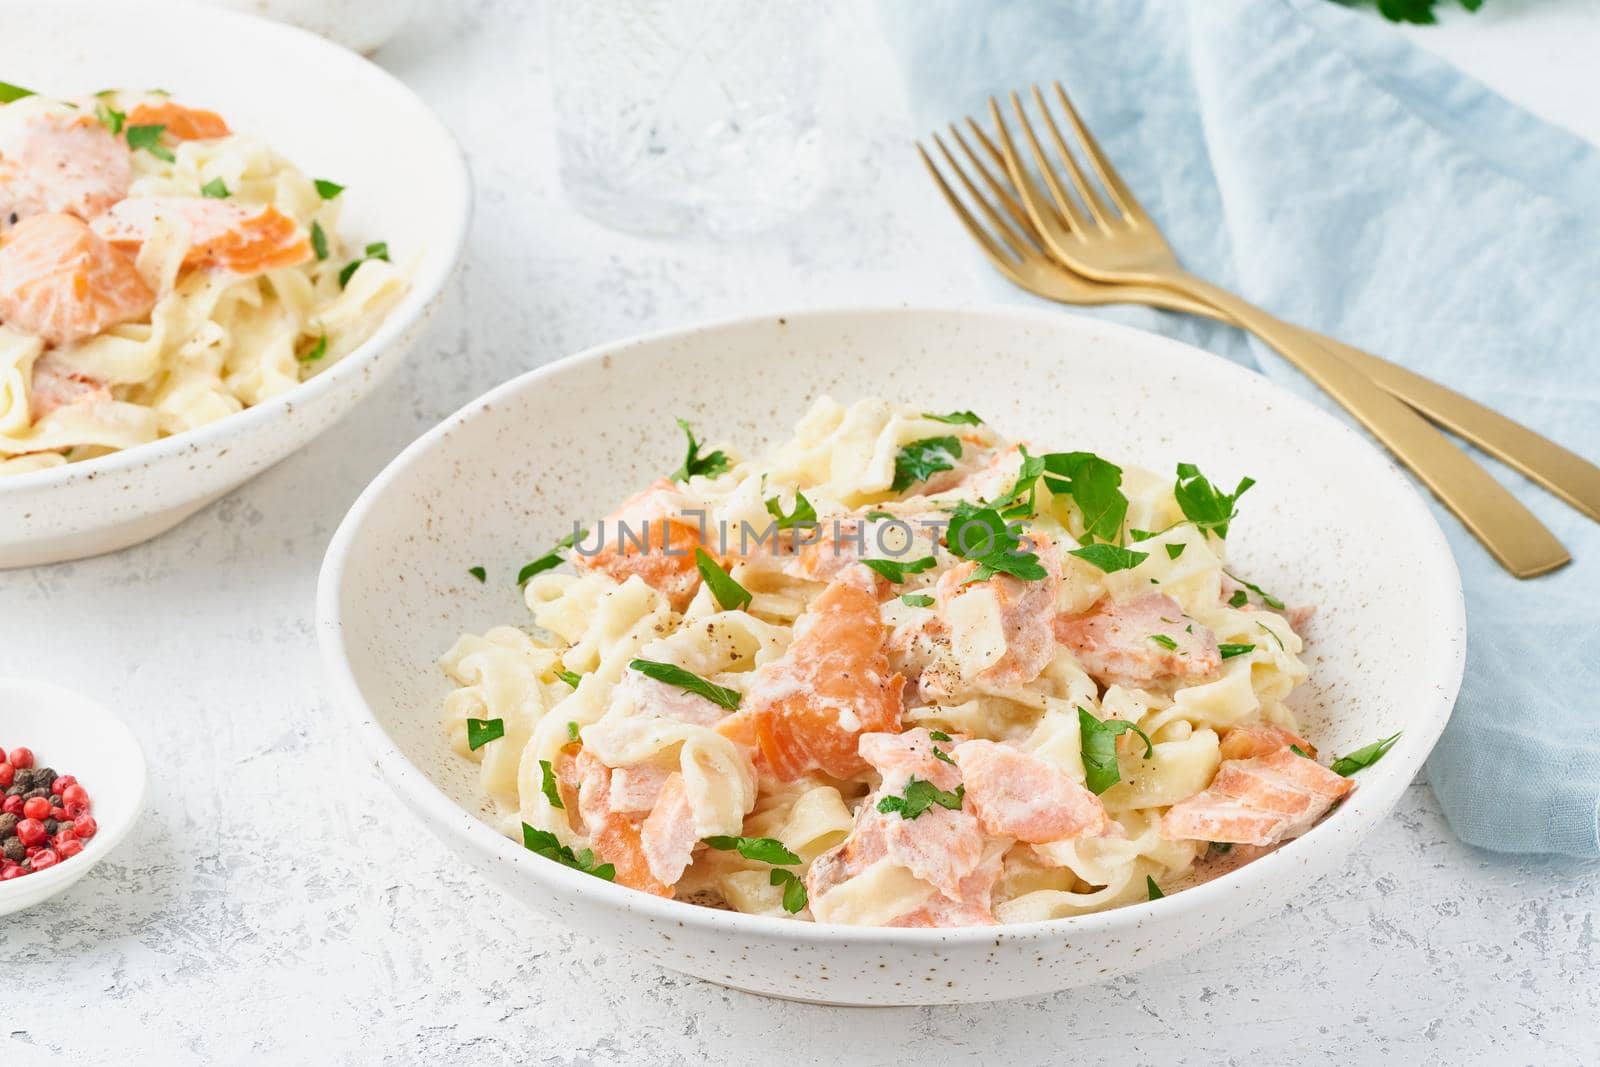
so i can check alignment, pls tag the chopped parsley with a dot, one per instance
(1018, 503)
(1230, 651)
(1239, 599)
(1099, 743)
(326, 189)
(316, 351)
(1266, 598)
(548, 845)
(955, 418)
(572, 678)
(1298, 751)
(149, 139)
(550, 559)
(981, 535)
(1202, 503)
(319, 241)
(921, 460)
(760, 849)
(938, 735)
(941, 755)
(110, 117)
(1110, 558)
(1363, 757)
(478, 573)
(1165, 642)
(672, 674)
(1264, 628)
(552, 791)
(803, 512)
(896, 571)
(375, 250)
(481, 731)
(710, 465)
(1222, 846)
(919, 796)
(729, 594)
(572, 727)
(874, 515)
(794, 890)
(918, 600)
(1174, 551)
(216, 189)
(1153, 889)
(9, 92)
(1095, 485)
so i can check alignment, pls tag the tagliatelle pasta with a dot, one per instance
(898, 671)
(158, 272)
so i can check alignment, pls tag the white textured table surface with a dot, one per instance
(277, 904)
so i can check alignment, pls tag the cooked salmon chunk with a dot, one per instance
(180, 123)
(1011, 619)
(1140, 641)
(1017, 794)
(61, 282)
(238, 238)
(615, 836)
(1258, 739)
(61, 163)
(1262, 800)
(649, 536)
(55, 387)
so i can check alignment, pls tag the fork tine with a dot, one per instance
(997, 187)
(979, 234)
(999, 159)
(1018, 245)
(1064, 202)
(1079, 181)
(1120, 193)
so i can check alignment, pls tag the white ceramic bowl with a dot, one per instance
(73, 735)
(336, 116)
(1331, 522)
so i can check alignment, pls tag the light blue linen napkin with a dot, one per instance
(1313, 159)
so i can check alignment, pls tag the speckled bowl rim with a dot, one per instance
(1381, 785)
(426, 285)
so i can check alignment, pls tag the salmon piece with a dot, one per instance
(568, 781)
(839, 543)
(61, 282)
(1114, 642)
(1026, 610)
(659, 545)
(635, 790)
(660, 700)
(667, 837)
(54, 387)
(614, 836)
(237, 238)
(904, 756)
(1258, 801)
(1017, 794)
(810, 706)
(1258, 739)
(182, 123)
(940, 846)
(67, 164)
(973, 904)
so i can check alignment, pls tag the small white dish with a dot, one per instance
(1330, 522)
(78, 736)
(333, 114)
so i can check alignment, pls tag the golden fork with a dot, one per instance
(1563, 472)
(1123, 247)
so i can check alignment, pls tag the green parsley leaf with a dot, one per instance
(216, 189)
(478, 573)
(1165, 642)
(316, 351)
(1271, 633)
(1099, 743)
(319, 241)
(1363, 757)
(921, 460)
(550, 559)
(1153, 889)
(376, 250)
(326, 189)
(938, 735)
(1266, 598)
(803, 512)
(709, 465)
(1094, 484)
(896, 571)
(1201, 502)
(981, 535)
(918, 600)
(149, 139)
(672, 674)
(729, 593)
(9, 92)
(481, 731)
(919, 796)
(548, 845)
(1222, 846)
(572, 727)
(955, 418)
(1018, 502)
(760, 849)
(110, 117)
(1230, 651)
(1298, 751)
(1110, 558)
(552, 791)
(1239, 599)
(877, 515)
(794, 890)
(572, 678)
(1174, 551)
(942, 756)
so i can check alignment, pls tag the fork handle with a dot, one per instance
(1511, 533)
